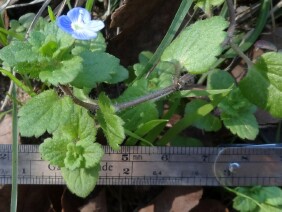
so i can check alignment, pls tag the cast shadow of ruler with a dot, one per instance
(205, 166)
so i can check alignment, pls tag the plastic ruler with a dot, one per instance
(231, 166)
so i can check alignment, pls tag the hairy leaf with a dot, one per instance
(81, 181)
(54, 151)
(111, 124)
(198, 45)
(80, 127)
(97, 44)
(45, 112)
(99, 67)
(61, 72)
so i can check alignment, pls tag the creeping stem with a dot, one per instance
(181, 84)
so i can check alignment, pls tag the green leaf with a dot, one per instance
(97, 44)
(258, 198)
(206, 5)
(60, 72)
(269, 208)
(73, 142)
(99, 67)
(111, 124)
(54, 150)
(208, 122)
(263, 83)
(83, 154)
(81, 181)
(92, 153)
(144, 129)
(45, 112)
(17, 52)
(139, 114)
(219, 79)
(80, 127)
(247, 198)
(74, 158)
(244, 204)
(163, 74)
(273, 195)
(245, 126)
(236, 110)
(46, 54)
(198, 45)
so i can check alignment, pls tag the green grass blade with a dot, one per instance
(178, 19)
(17, 82)
(89, 5)
(14, 195)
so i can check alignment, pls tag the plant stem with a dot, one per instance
(179, 17)
(14, 153)
(248, 42)
(241, 54)
(88, 106)
(179, 85)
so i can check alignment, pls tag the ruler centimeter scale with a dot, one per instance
(140, 165)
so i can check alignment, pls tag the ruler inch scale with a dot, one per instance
(140, 165)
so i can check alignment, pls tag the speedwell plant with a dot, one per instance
(68, 57)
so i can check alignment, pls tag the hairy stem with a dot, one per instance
(181, 84)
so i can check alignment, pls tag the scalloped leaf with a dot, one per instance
(237, 113)
(99, 67)
(44, 112)
(81, 181)
(111, 124)
(73, 143)
(208, 122)
(197, 46)
(263, 83)
(54, 151)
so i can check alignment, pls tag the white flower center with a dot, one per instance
(79, 24)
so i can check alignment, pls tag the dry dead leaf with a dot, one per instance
(132, 12)
(6, 130)
(145, 32)
(175, 199)
(210, 205)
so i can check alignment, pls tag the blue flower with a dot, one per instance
(78, 23)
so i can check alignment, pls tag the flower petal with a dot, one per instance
(95, 25)
(84, 34)
(78, 12)
(64, 23)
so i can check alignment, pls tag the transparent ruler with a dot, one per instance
(232, 166)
